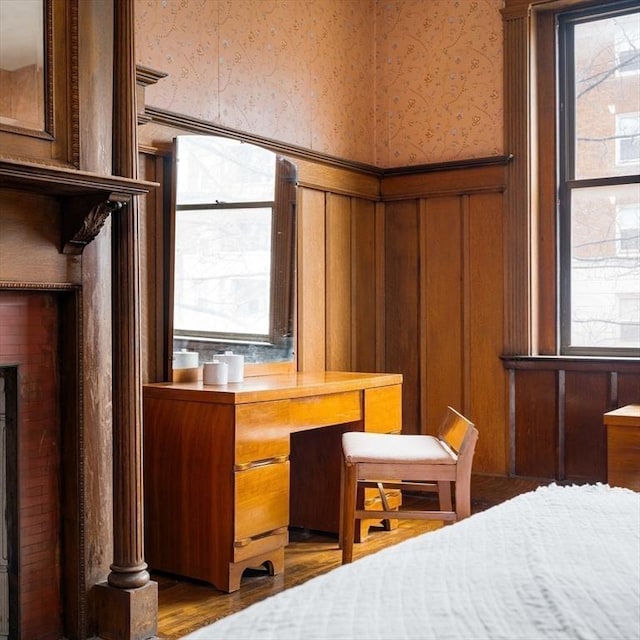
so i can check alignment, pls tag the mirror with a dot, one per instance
(233, 250)
(22, 38)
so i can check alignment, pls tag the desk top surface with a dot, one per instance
(272, 387)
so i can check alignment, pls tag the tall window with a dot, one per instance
(599, 183)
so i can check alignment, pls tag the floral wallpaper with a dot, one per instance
(384, 82)
(439, 76)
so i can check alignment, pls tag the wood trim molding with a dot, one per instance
(338, 180)
(62, 181)
(514, 9)
(458, 179)
(145, 76)
(178, 123)
(530, 296)
(517, 302)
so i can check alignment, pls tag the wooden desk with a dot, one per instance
(623, 446)
(216, 465)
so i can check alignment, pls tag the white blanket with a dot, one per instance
(559, 562)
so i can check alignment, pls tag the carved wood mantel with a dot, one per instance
(86, 199)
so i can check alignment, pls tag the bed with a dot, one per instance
(558, 562)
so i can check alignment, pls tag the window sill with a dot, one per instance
(569, 363)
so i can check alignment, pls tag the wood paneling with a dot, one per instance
(153, 345)
(442, 310)
(586, 399)
(485, 384)
(338, 278)
(446, 182)
(402, 295)
(558, 410)
(627, 389)
(536, 416)
(337, 180)
(365, 284)
(311, 280)
(444, 304)
(29, 244)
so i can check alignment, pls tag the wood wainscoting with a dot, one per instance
(444, 292)
(556, 413)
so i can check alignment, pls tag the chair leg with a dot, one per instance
(347, 519)
(444, 495)
(463, 500)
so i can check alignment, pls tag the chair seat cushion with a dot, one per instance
(391, 448)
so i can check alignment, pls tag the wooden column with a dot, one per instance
(129, 608)
(517, 228)
(129, 569)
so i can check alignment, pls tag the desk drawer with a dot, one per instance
(252, 547)
(320, 411)
(262, 431)
(261, 500)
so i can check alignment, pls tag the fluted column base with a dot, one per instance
(127, 614)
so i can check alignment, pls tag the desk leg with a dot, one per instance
(273, 561)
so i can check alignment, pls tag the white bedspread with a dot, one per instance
(559, 562)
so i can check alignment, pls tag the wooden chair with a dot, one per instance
(423, 462)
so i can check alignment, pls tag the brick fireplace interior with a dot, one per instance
(30, 387)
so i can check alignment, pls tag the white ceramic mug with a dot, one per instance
(215, 372)
(236, 365)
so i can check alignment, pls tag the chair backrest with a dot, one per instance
(458, 432)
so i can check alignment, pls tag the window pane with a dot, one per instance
(222, 271)
(213, 169)
(607, 97)
(605, 267)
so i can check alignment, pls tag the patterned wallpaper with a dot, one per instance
(385, 82)
(439, 73)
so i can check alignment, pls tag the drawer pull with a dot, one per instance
(247, 541)
(260, 463)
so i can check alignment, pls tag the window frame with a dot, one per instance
(565, 162)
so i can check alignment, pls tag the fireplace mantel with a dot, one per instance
(86, 199)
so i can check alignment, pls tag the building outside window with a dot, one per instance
(599, 185)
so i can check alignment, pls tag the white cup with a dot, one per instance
(236, 365)
(215, 372)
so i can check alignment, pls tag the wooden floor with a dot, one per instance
(186, 605)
